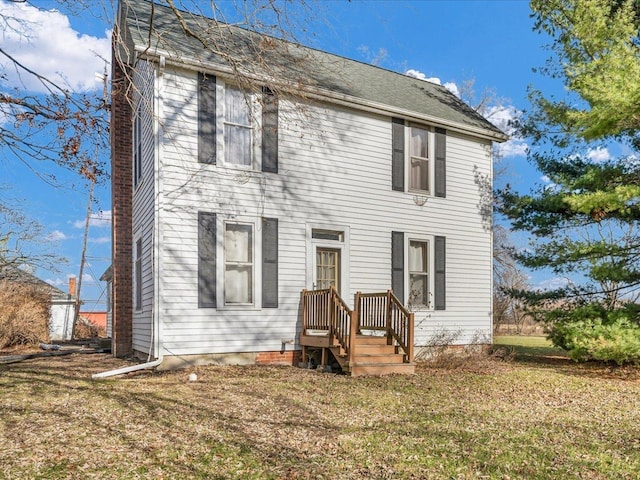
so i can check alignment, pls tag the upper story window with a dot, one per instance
(419, 164)
(238, 127)
(418, 158)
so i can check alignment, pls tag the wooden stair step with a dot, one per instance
(379, 358)
(373, 349)
(378, 369)
(370, 340)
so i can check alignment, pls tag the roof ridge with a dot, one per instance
(335, 74)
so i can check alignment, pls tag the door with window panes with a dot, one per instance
(327, 271)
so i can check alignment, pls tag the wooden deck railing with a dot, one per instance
(326, 310)
(315, 309)
(400, 323)
(383, 311)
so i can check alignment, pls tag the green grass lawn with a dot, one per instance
(482, 418)
(528, 346)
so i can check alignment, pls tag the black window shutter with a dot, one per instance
(440, 256)
(206, 260)
(397, 155)
(269, 263)
(269, 131)
(397, 264)
(441, 163)
(206, 118)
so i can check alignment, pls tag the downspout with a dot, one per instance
(155, 331)
(492, 280)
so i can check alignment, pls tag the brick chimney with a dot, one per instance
(122, 201)
(72, 286)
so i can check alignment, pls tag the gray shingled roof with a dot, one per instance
(237, 48)
(15, 275)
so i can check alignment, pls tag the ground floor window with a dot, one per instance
(419, 291)
(238, 264)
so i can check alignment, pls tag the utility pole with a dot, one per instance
(83, 256)
(92, 175)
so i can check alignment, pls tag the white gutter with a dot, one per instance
(156, 297)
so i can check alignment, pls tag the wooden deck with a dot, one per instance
(331, 327)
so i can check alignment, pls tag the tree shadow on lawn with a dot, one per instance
(557, 359)
(161, 423)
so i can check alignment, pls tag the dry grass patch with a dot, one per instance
(503, 420)
(24, 315)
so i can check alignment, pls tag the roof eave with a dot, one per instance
(154, 54)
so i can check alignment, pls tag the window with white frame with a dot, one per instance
(419, 165)
(238, 127)
(419, 268)
(238, 264)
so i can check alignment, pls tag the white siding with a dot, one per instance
(334, 168)
(143, 206)
(61, 320)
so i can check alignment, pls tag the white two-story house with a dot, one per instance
(259, 186)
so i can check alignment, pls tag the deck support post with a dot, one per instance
(388, 319)
(410, 338)
(305, 314)
(353, 320)
(356, 308)
(331, 314)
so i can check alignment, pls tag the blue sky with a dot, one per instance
(451, 42)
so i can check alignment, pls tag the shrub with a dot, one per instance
(24, 315)
(86, 329)
(592, 333)
(437, 344)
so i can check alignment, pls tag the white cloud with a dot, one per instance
(502, 117)
(56, 282)
(552, 283)
(43, 40)
(56, 236)
(451, 86)
(421, 76)
(598, 155)
(63, 283)
(549, 186)
(96, 219)
(513, 148)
